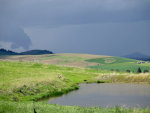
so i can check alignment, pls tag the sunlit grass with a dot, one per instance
(131, 66)
(40, 107)
(22, 81)
(31, 81)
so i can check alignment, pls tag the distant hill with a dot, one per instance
(31, 52)
(98, 62)
(36, 52)
(7, 52)
(138, 56)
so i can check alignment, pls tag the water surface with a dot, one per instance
(107, 95)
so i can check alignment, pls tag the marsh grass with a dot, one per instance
(40, 107)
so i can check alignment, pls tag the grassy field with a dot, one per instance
(68, 59)
(111, 60)
(31, 81)
(23, 82)
(83, 60)
(39, 107)
(130, 66)
(119, 64)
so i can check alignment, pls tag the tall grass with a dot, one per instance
(31, 81)
(25, 82)
(40, 107)
(131, 66)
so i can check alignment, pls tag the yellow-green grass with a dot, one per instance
(125, 67)
(32, 81)
(83, 60)
(111, 60)
(69, 59)
(119, 64)
(40, 107)
(26, 81)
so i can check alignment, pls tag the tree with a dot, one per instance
(139, 70)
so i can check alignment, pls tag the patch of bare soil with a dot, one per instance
(53, 60)
(30, 58)
(86, 56)
(82, 64)
(56, 61)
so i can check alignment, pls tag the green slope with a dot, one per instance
(26, 82)
(83, 60)
(111, 60)
(119, 64)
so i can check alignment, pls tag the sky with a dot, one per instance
(105, 27)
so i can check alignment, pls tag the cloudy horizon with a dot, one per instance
(107, 27)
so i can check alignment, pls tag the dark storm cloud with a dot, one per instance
(61, 12)
(107, 38)
(91, 16)
(10, 30)
(15, 35)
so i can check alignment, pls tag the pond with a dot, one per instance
(106, 95)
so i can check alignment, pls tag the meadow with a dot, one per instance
(31, 81)
(67, 59)
(24, 83)
(40, 107)
(119, 64)
(99, 62)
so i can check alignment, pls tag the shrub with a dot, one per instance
(139, 70)
(146, 71)
(128, 71)
(100, 81)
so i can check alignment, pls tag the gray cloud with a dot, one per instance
(104, 38)
(15, 35)
(10, 30)
(96, 22)
(61, 12)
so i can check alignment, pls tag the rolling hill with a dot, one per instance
(99, 62)
(30, 52)
(36, 52)
(69, 59)
(25, 79)
(138, 56)
(120, 64)
(7, 52)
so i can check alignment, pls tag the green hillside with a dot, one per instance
(83, 60)
(23, 83)
(32, 81)
(68, 59)
(130, 66)
(119, 64)
(111, 60)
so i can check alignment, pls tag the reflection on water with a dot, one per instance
(107, 95)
